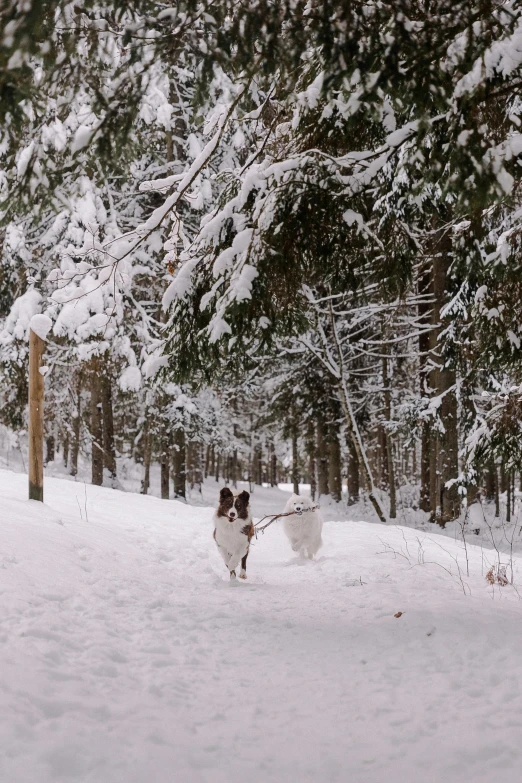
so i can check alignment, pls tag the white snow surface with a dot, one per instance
(126, 655)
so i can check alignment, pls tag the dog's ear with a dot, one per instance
(244, 496)
(225, 493)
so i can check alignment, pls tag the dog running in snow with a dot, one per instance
(233, 530)
(304, 527)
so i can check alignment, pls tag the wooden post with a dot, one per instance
(36, 416)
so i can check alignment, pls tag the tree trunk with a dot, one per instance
(109, 451)
(322, 458)
(424, 500)
(164, 462)
(503, 479)
(36, 416)
(310, 447)
(334, 465)
(66, 449)
(508, 496)
(50, 443)
(234, 469)
(147, 459)
(497, 495)
(76, 425)
(353, 431)
(179, 464)
(424, 310)
(353, 475)
(207, 461)
(351, 423)
(490, 481)
(447, 451)
(389, 452)
(198, 466)
(273, 466)
(381, 458)
(218, 465)
(96, 423)
(295, 460)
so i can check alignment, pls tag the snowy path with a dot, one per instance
(126, 657)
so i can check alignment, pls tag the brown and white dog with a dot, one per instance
(233, 530)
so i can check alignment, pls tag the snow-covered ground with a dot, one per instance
(127, 657)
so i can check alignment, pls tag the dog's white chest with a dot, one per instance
(229, 535)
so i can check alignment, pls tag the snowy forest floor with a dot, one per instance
(126, 656)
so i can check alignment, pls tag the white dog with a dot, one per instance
(304, 526)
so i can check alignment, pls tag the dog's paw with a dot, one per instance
(242, 575)
(232, 574)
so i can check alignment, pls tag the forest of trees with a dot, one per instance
(276, 239)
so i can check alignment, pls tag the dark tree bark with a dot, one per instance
(353, 475)
(198, 466)
(207, 461)
(322, 458)
(490, 477)
(295, 459)
(334, 465)
(424, 501)
(273, 466)
(147, 457)
(179, 466)
(109, 450)
(50, 449)
(164, 462)
(235, 470)
(66, 442)
(445, 504)
(96, 423)
(76, 427)
(508, 496)
(424, 310)
(310, 447)
(388, 441)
